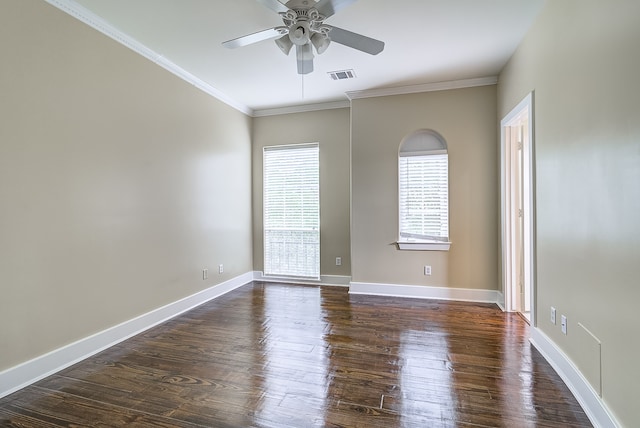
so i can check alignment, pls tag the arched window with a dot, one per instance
(423, 183)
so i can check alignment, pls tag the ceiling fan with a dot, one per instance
(304, 27)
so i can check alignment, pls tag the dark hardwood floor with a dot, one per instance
(272, 355)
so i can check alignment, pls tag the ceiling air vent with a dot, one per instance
(342, 74)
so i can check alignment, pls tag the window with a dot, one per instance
(292, 211)
(423, 179)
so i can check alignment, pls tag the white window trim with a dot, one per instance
(418, 245)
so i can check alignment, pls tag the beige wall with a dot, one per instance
(466, 119)
(583, 61)
(329, 128)
(119, 183)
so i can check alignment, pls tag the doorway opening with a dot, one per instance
(518, 213)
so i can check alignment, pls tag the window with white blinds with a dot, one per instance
(292, 211)
(424, 197)
(423, 192)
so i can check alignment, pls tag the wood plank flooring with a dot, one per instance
(275, 355)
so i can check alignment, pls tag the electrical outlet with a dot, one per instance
(338, 261)
(563, 324)
(553, 315)
(205, 273)
(427, 270)
(220, 268)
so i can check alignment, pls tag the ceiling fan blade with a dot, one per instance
(355, 40)
(249, 39)
(304, 54)
(329, 7)
(274, 5)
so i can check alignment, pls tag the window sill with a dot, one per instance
(423, 245)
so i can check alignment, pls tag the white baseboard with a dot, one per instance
(334, 280)
(500, 300)
(588, 398)
(424, 292)
(24, 374)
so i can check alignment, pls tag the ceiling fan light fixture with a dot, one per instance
(299, 33)
(321, 42)
(284, 44)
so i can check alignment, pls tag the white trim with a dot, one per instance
(587, 397)
(301, 108)
(423, 246)
(331, 280)
(339, 280)
(91, 19)
(506, 196)
(424, 292)
(428, 87)
(24, 374)
(370, 93)
(500, 300)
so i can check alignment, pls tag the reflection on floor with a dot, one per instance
(274, 355)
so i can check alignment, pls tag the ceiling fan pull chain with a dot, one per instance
(302, 80)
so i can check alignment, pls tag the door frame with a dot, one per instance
(524, 109)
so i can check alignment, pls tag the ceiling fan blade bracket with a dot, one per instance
(314, 16)
(290, 15)
(323, 29)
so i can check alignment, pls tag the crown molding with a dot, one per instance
(301, 108)
(383, 92)
(427, 87)
(84, 15)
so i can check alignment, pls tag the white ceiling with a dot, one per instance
(427, 41)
